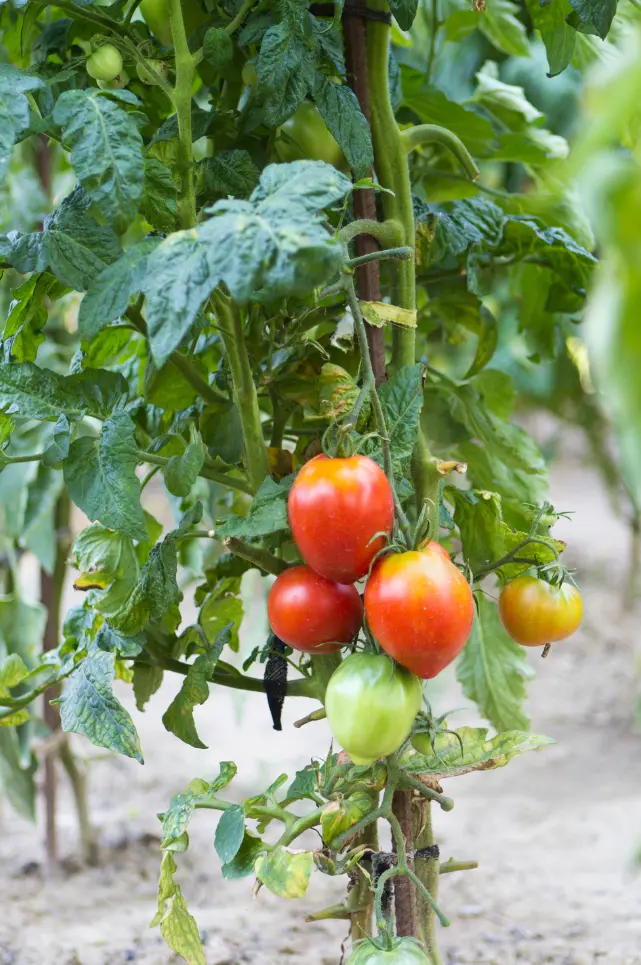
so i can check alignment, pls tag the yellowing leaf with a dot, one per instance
(284, 872)
(380, 313)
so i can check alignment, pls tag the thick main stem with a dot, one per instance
(427, 870)
(182, 102)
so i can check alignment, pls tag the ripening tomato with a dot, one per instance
(336, 507)
(405, 951)
(305, 135)
(311, 613)
(160, 67)
(105, 63)
(371, 704)
(535, 613)
(420, 608)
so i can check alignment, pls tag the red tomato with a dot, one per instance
(336, 506)
(311, 613)
(420, 608)
(535, 613)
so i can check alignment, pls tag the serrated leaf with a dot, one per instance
(223, 608)
(402, 400)
(230, 833)
(285, 69)
(493, 669)
(58, 449)
(101, 477)
(89, 707)
(179, 716)
(177, 926)
(109, 295)
(596, 16)
(28, 314)
(285, 873)
(339, 108)
(267, 514)
(106, 152)
(479, 753)
(112, 642)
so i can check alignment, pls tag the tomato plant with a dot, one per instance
(306, 362)
(535, 612)
(311, 613)
(371, 704)
(340, 511)
(420, 609)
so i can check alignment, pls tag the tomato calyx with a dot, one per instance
(431, 727)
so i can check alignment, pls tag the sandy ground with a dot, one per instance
(554, 832)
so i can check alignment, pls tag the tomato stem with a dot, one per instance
(185, 66)
(414, 137)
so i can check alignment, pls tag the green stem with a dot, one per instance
(219, 477)
(448, 866)
(427, 871)
(233, 26)
(244, 389)
(490, 567)
(89, 15)
(262, 558)
(234, 680)
(182, 103)
(414, 137)
(426, 483)
(388, 233)
(392, 173)
(389, 254)
(300, 825)
(445, 802)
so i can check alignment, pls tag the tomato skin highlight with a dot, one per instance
(312, 614)
(534, 612)
(336, 506)
(420, 608)
(403, 952)
(371, 704)
(105, 63)
(307, 136)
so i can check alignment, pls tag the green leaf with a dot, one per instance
(596, 16)
(177, 926)
(175, 820)
(16, 776)
(276, 242)
(339, 108)
(88, 706)
(147, 681)
(486, 537)
(268, 512)
(101, 477)
(61, 442)
(22, 627)
(106, 152)
(559, 38)
(404, 11)
(36, 393)
(230, 172)
(179, 717)
(493, 669)
(72, 246)
(14, 109)
(243, 862)
(285, 69)
(109, 295)
(222, 432)
(285, 874)
(12, 671)
(159, 204)
(479, 753)
(28, 314)
(223, 608)
(431, 106)
(181, 472)
(453, 228)
(218, 48)
(39, 526)
(109, 640)
(402, 400)
(230, 833)
(503, 29)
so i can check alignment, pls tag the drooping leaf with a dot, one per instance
(479, 753)
(36, 393)
(223, 608)
(14, 109)
(339, 108)
(147, 681)
(175, 820)
(159, 204)
(179, 716)
(285, 69)
(595, 16)
(28, 315)
(268, 512)
(177, 926)
(401, 400)
(106, 151)
(230, 833)
(108, 297)
(89, 707)
(101, 477)
(230, 172)
(493, 670)
(181, 472)
(501, 26)
(557, 35)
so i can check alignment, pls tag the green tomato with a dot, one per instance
(406, 951)
(145, 75)
(305, 135)
(371, 704)
(105, 63)
(442, 742)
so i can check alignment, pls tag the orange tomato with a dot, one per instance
(535, 613)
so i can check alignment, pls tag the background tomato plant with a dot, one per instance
(178, 305)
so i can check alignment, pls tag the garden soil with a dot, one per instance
(554, 833)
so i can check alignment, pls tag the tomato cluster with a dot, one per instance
(419, 607)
